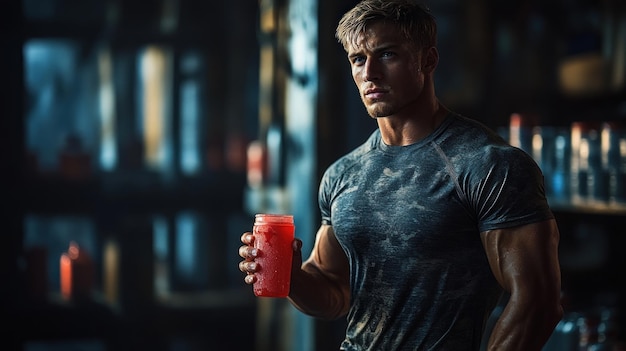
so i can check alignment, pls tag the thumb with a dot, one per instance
(296, 245)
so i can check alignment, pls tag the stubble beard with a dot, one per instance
(379, 109)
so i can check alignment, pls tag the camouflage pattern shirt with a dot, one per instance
(409, 218)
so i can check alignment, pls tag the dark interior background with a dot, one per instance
(126, 127)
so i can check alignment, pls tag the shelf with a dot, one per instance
(180, 313)
(58, 319)
(558, 109)
(141, 193)
(589, 208)
(208, 299)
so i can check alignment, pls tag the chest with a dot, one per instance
(401, 205)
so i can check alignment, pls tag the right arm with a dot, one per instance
(320, 286)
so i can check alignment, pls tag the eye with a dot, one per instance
(387, 54)
(358, 60)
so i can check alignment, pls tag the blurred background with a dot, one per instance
(139, 139)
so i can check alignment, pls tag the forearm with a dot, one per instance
(524, 325)
(317, 295)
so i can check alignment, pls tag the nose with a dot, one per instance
(371, 70)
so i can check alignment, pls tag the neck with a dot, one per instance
(406, 130)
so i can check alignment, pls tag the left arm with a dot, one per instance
(525, 262)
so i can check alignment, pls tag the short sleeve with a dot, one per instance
(508, 190)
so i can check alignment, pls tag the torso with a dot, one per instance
(409, 219)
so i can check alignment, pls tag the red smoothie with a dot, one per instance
(273, 236)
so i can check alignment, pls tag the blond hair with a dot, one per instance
(413, 19)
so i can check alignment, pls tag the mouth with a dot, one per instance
(374, 93)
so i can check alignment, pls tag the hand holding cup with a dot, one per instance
(268, 254)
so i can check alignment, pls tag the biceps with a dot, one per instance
(328, 258)
(525, 256)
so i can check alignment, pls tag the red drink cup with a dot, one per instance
(273, 236)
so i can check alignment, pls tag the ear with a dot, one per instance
(431, 59)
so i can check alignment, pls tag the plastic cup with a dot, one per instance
(273, 237)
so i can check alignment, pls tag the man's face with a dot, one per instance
(386, 70)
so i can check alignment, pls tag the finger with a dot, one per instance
(247, 238)
(297, 254)
(248, 251)
(248, 266)
(250, 279)
(296, 244)
(243, 251)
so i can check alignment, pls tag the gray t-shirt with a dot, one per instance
(409, 218)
